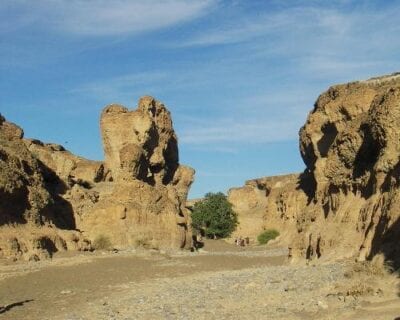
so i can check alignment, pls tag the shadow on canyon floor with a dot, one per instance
(14, 305)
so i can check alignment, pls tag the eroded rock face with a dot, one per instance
(140, 144)
(136, 197)
(144, 201)
(351, 147)
(346, 203)
(23, 196)
(249, 203)
(30, 222)
(350, 138)
(268, 202)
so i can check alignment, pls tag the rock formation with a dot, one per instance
(26, 204)
(136, 197)
(262, 198)
(249, 203)
(346, 203)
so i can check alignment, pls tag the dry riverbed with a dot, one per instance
(224, 282)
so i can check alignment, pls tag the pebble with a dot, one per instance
(66, 292)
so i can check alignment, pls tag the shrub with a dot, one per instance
(102, 242)
(364, 278)
(377, 267)
(267, 235)
(143, 242)
(214, 216)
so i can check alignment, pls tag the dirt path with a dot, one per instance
(226, 282)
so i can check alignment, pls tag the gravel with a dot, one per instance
(275, 292)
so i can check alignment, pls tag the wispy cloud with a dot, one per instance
(321, 40)
(237, 131)
(319, 45)
(295, 20)
(101, 17)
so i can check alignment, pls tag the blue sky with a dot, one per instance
(238, 76)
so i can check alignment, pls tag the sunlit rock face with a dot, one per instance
(346, 203)
(136, 197)
(140, 144)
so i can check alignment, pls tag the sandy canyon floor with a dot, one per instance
(222, 282)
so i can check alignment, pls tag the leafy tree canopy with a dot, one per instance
(214, 216)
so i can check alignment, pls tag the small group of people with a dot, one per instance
(242, 242)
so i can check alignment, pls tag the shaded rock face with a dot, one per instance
(136, 197)
(27, 206)
(23, 197)
(346, 203)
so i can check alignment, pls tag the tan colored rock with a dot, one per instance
(140, 144)
(346, 203)
(29, 217)
(266, 203)
(354, 164)
(145, 202)
(135, 213)
(135, 198)
(66, 166)
(23, 196)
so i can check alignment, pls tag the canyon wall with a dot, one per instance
(347, 202)
(136, 197)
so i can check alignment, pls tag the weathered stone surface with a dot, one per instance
(346, 203)
(140, 144)
(23, 196)
(30, 222)
(136, 197)
(144, 202)
(249, 203)
(63, 164)
(268, 202)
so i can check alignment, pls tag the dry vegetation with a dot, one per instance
(368, 278)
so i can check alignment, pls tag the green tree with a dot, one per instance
(214, 215)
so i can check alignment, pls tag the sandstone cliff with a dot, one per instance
(136, 197)
(26, 204)
(264, 203)
(346, 203)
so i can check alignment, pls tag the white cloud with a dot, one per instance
(286, 23)
(321, 41)
(102, 17)
(313, 47)
(239, 130)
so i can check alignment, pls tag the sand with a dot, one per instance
(222, 282)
